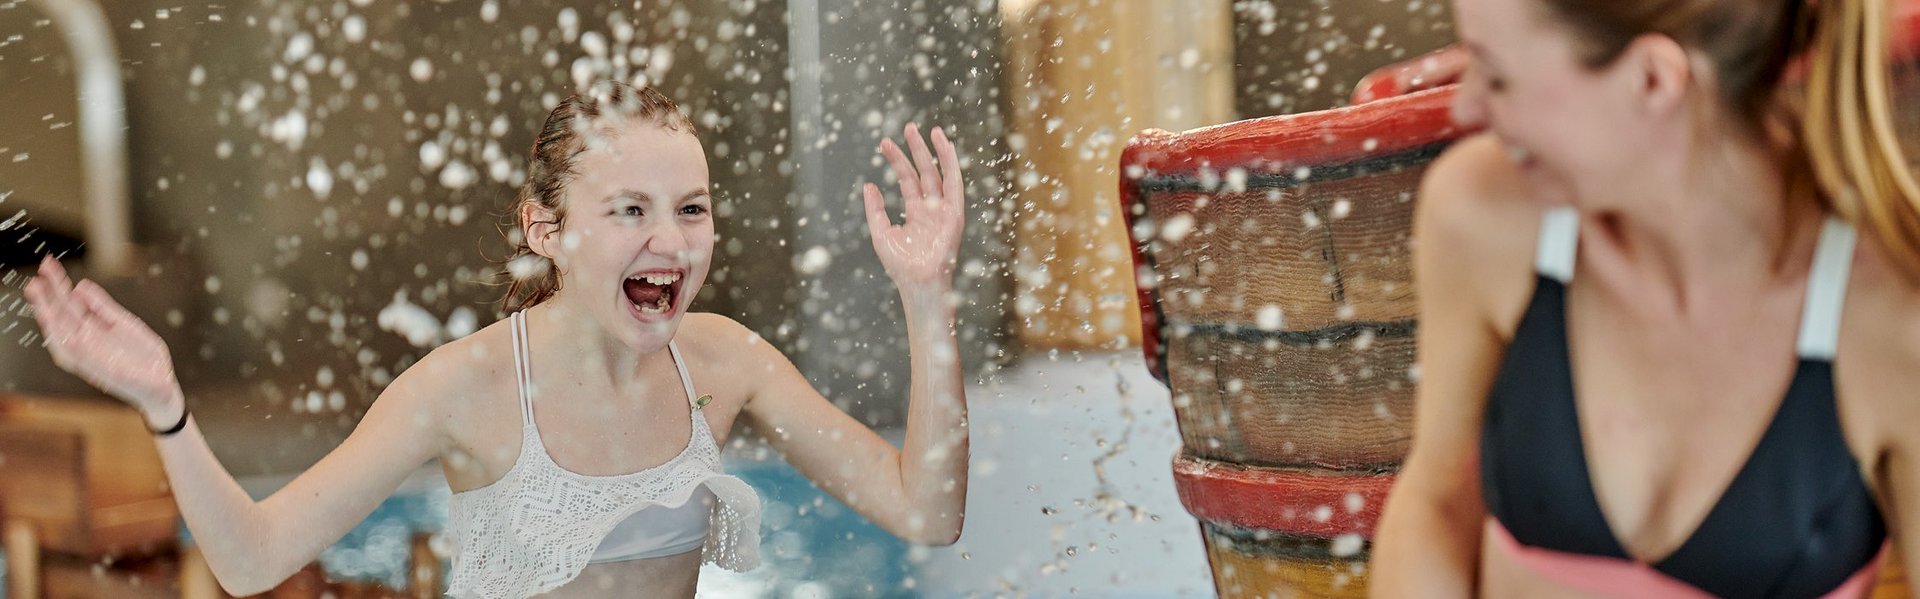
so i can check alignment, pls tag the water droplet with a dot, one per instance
(814, 261)
(457, 175)
(421, 69)
(1347, 545)
(1269, 318)
(1177, 228)
(319, 179)
(354, 28)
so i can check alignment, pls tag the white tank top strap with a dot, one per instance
(1559, 244)
(522, 371)
(686, 380)
(1826, 291)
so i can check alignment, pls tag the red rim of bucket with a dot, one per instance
(1301, 503)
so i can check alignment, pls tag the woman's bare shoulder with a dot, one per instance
(1478, 227)
(1878, 361)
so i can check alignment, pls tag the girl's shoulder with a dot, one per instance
(459, 373)
(708, 337)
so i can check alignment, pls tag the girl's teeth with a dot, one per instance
(659, 307)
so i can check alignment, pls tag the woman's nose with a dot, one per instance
(1469, 108)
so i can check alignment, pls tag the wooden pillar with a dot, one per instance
(23, 559)
(423, 581)
(1082, 77)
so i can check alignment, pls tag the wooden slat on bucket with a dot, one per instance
(1240, 575)
(1338, 398)
(1321, 250)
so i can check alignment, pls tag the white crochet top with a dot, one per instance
(537, 527)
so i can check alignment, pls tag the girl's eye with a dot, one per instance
(630, 211)
(693, 210)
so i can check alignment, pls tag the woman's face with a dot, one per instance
(638, 234)
(1572, 130)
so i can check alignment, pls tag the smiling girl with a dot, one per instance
(581, 436)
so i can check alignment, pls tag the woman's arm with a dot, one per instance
(1878, 372)
(919, 492)
(250, 546)
(1428, 544)
(1900, 477)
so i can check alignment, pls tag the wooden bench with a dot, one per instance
(81, 485)
(87, 512)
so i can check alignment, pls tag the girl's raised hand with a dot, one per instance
(920, 253)
(96, 339)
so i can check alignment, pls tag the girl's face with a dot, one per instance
(1575, 132)
(638, 235)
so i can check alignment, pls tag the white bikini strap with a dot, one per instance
(686, 380)
(522, 372)
(1559, 244)
(1826, 291)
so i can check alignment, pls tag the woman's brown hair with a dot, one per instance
(1845, 134)
(601, 109)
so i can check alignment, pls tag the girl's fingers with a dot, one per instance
(101, 308)
(902, 170)
(53, 314)
(877, 219)
(949, 166)
(57, 275)
(923, 160)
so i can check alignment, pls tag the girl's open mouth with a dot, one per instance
(652, 292)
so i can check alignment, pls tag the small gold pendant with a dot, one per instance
(702, 402)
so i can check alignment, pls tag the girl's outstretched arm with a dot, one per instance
(917, 492)
(250, 546)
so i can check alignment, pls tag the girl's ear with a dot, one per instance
(541, 228)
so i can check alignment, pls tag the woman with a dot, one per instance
(581, 435)
(1694, 375)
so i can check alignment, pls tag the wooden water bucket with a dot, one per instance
(1280, 312)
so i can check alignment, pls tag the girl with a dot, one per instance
(581, 436)
(1697, 378)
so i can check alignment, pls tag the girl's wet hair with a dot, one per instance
(1844, 139)
(600, 111)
